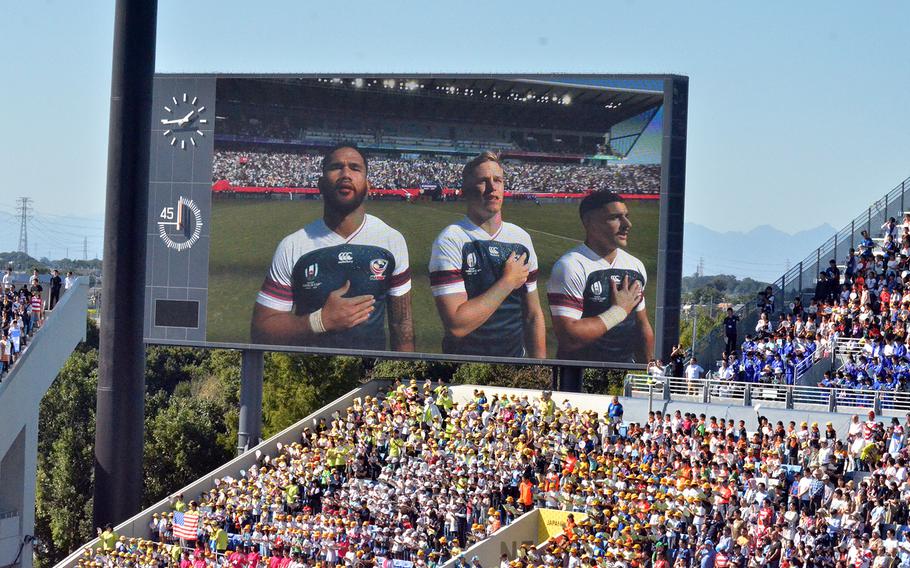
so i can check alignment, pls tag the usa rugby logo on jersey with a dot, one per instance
(377, 267)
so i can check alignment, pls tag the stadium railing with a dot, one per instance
(799, 281)
(790, 397)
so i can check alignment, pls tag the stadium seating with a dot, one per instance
(269, 168)
(413, 476)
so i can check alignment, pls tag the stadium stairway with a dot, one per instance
(20, 399)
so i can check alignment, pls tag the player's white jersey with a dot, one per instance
(579, 286)
(452, 262)
(466, 259)
(351, 257)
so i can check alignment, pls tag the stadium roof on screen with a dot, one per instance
(608, 101)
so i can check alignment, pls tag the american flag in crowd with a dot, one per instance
(186, 524)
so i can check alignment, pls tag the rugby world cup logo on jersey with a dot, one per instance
(309, 275)
(597, 290)
(377, 267)
(471, 264)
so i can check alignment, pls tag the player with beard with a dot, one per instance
(596, 290)
(483, 274)
(332, 282)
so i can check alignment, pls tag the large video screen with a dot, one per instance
(464, 218)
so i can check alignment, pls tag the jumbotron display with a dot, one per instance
(491, 218)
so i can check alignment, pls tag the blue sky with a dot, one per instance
(798, 111)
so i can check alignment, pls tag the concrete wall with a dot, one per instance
(20, 398)
(524, 530)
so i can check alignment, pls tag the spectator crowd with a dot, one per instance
(22, 311)
(412, 479)
(276, 169)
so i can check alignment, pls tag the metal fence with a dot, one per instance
(775, 396)
(799, 281)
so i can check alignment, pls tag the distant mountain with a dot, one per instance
(761, 253)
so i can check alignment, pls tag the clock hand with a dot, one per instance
(186, 118)
(165, 121)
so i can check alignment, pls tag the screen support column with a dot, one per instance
(570, 379)
(249, 429)
(120, 415)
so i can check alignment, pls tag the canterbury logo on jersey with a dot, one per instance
(345, 257)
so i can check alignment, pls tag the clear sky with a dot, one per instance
(798, 111)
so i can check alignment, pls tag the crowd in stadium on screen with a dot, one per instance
(23, 308)
(412, 477)
(275, 169)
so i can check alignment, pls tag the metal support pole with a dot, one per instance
(667, 388)
(747, 395)
(554, 378)
(570, 379)
(783, 290)
(120, 411)
(705, 394)
(789, 398)
(853, 233)
(694, 328)
(903, 189)
(869, 221)
(799, 280)
(832, 401)
(835, 248)
(249, 428)
(650, 396)
(877, 403)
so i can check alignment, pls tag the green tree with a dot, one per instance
(65, 476)
(413, 369)
(298, 385)
(527, 376)
(181, 444)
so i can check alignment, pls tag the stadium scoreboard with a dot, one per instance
(547, 206)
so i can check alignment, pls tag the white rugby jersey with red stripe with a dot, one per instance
(466, 259)
(579, 287)
(309, 264)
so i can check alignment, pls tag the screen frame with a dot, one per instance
(670, 233)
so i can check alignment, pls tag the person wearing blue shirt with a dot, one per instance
(790, 369)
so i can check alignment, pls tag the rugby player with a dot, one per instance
(596, 290)
(483, 274)
(332, 282)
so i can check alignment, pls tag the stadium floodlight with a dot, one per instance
(567, 99)
(358, 83)
(388, 83)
